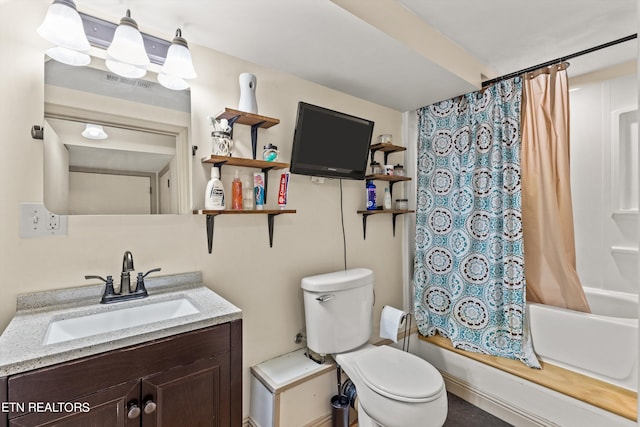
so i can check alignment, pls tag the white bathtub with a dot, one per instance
(603, 344)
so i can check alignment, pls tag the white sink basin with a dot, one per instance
(117, 319)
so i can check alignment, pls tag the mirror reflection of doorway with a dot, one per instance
(145, 134)
(110, 199)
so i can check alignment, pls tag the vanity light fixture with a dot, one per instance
(63, 27)
(178, 67)
(126, 55)
(129, 52)
(93, 131)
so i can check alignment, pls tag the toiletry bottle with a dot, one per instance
(214, 194)
(247, 202)
(387, 198)
(283, 190)
(236, 192)
(371, 196)
(258, 189)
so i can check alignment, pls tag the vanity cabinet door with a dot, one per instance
(192, 395)
(3, 398)
(108, 408)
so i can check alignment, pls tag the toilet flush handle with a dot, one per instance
(325, 298)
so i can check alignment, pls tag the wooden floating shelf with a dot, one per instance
(249, 163)
(388, 178)
(387, 148)
(211, 214)
(386, 211)
(244, 212)
(250, 119)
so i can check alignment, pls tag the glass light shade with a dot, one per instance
(62, 26)
(68, 56)
(172, 82)
(92, 131)
(127, 45)
(178, 62)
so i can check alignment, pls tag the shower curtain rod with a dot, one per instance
(561, 59)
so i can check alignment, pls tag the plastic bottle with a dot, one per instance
(258, 189)
(236, 192)
(214, 194)
(371, 196)
(387, 198)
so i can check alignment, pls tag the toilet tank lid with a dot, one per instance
(339, 280)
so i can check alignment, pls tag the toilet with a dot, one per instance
(394, 388)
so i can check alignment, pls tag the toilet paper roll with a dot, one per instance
(391, 320)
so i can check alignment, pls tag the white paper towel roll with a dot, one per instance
(390, 321)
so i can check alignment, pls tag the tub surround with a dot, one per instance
(21, 344)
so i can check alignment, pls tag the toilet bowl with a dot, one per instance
(395, 389)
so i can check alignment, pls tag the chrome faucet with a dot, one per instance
(125, 293)
(127, 266)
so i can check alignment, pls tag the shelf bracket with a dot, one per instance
(270, 225)
(391, 189)
(364, 226)
(254, 134)
(385, 154)
(393, 222)
(254, 138)
(210, 231)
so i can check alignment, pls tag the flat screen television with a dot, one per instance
(330, 144)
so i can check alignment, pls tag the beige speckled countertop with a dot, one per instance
(21, 343)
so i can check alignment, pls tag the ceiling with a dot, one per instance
(403, 54)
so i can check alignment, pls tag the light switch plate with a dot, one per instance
(37, 221)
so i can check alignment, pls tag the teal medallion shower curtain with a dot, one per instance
(469, 252)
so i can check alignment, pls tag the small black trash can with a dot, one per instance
(340, 411)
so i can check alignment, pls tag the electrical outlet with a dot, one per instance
(36, 221)
(53, 222)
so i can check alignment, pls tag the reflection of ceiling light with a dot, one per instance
(63, 27)
(92, 131)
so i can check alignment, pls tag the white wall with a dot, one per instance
(263, 282)
(594, 172)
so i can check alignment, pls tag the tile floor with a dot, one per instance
(463, 414)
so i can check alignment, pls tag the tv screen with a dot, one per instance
(330, 144)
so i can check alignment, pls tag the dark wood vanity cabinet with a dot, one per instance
(192, 379)
(3, 399)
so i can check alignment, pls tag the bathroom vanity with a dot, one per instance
(185, 369)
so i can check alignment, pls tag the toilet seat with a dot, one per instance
(399, 375)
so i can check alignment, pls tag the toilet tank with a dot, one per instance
(338, 310)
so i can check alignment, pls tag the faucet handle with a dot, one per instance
(96, 277)
(150, 271)
(140, 288)
(109, 292)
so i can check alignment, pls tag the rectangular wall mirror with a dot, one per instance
(140, 167)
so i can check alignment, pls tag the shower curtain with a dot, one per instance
(469, 262)
(547, 214)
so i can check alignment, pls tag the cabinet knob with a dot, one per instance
(133, 411)
(150, 407)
